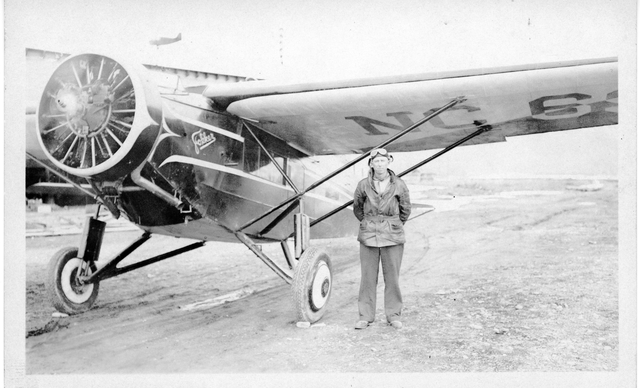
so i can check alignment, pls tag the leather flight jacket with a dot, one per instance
(381, 215)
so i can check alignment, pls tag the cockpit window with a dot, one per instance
(257, 162)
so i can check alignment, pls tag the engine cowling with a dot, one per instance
(98, 118)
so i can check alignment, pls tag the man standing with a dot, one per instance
(382, 205)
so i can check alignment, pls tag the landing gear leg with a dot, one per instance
(313, 276)
(66, 289)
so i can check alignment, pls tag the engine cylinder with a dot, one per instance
(98, 118)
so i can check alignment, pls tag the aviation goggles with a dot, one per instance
(380, 152)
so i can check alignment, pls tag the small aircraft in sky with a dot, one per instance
(233, 161)
(164, 40)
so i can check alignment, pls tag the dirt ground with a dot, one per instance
(505, 276)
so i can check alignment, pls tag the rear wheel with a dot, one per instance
(65, 291)
(312, 283)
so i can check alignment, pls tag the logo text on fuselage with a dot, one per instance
(202, 140)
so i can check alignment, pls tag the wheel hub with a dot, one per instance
(321, 286)
(325, 288)
(76, 284)
(75, 290)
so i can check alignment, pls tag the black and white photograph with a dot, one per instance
(349, 194)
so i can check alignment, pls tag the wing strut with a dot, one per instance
(299, 195)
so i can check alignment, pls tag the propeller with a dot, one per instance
(96, 116)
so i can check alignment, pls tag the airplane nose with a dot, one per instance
(98, 117)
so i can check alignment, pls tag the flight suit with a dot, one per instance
(381, 236)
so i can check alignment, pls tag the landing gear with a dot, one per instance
(65, 289)
(312, 282)
(312, 278)
(73, 279)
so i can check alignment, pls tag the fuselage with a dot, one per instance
(224, 173)
(210, 161)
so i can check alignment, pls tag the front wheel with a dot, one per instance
(312, 283)
(67, 294)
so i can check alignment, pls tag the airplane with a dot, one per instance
(164, 40)
(233, 161)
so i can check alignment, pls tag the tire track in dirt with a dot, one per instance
(97, 335)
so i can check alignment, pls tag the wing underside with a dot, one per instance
(350, 118)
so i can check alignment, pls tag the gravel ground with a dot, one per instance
(505, 276)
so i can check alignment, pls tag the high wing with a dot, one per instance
(355, 115)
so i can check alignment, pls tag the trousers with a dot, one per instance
(370, 258)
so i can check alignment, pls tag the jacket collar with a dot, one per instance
(392, 176)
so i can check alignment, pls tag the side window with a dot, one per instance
(251, 155)
(257, 163)
(269, 171)
(232, 156)
(296, 172)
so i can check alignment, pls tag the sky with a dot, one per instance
(331, 39)
(273, 38)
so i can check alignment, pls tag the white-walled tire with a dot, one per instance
(312, 283)
(63, 291)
